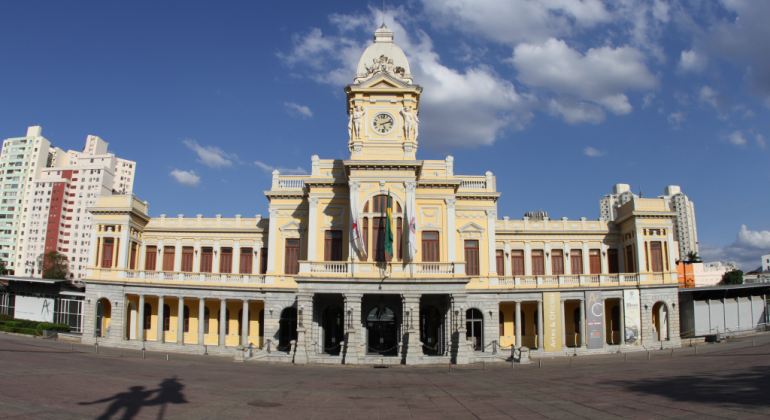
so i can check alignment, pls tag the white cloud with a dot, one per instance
(761, 141)
(285, 171)
(648, 98)
(691, 61)
(211, 156)
(575, 112)
(676, 119)
(736, 138)
(298, 109)
(746, 251)
(187, 178)
(601, 75)
(590, 151)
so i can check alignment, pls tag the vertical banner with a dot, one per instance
(594, 315)
(552, 321)
(633, 318)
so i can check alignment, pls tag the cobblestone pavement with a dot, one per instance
(42, 379)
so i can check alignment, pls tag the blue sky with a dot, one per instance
(560, 99)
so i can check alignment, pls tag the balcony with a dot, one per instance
(585, 280)
(396, 269)
(179, 277)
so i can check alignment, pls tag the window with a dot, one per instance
(166, 318)
(517, 263)
(244, 266)
(186, 319)
(430, 247)
(472, 258)
(107, 248)
(132, 263)
(378, 238)
(168, 258)
(187, 259)
(399, 237)
(657, 256)
(612, 261)
(538, 263)
(500, 260)
(629, 260)
(557, 262)
(576, 261)
(380, 203)
(333, 245)
(147, 316)
(263, 261)
(366, 235)
(292, 256)
(595, 261)
(226, 260)
(207, 259)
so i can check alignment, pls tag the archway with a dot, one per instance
(474, 324)
(287, 328)
(382, 337)
(333, 329)
(431, 330)
(103, 316)
(660, 321)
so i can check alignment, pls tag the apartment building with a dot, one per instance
(685, 229)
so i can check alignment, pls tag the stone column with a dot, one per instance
(622, 322)
(527, 259)
(140, 321)
(583, 323)
(507, 260)
(180, 322)
(312, 223)
(517, 327)
(140, 259)
(462, 352)
(411, 317)
(451, 234)
(304, 308)
(271, 243)
(245, 324)
(217, 257)
(196, 257)
(604, 322)
(540, 325)
(161, 332)
(115, 246)
(353, 348)
(178, 256)
(125, 243)
(159, 257)
(222, 320)
(563, 327)
(491, 219)
(201, 319)
(96, 251)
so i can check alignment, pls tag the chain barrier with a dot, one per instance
(332, 347)
(383, 351)
(435, 348)
(279, 348)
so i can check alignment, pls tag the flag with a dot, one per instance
(411, 215)
(356, 239)
(389, 230)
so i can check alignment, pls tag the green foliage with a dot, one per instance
(25, 323)
(29, 331)
(5, 317)
(3, 269)
(52, 327)
(692, 257)
(11, 324)
(54, 265)
(732, 277)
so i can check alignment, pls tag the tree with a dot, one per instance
(3, 269)
(732, 277)
(53, 265)
(692, 257)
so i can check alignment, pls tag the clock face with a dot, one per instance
(383, 123)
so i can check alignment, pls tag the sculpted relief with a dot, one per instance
(410, 122)
(355, 122)
(385, 65)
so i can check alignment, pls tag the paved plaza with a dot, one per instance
(42, 379)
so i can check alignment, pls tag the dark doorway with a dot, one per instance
(431, 330)
(382, 334)
(99, 317)
(287, 328)
(474, 323)
(334, 331)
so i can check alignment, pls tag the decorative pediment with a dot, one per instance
(471, 231)
(292, 230)
(384, 80)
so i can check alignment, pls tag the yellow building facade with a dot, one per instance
(316, 283)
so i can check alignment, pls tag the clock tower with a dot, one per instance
(383, 103)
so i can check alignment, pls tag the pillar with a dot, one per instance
(245, 324)
(178, 256)
(352, 328)
(159, 256)
(622, 322)
(272, 237)
(125, 243)
(411, 320)
(140, 321)
(491, 219)
(97, 252)
(180, 322)
(517, 326)
(161, 333)
(312, 223)
(563, 326)
(451, 234)
(540, 325)
(527, 259)
(201, 319)
(604, 323)
(217, 257)
(583, 338)
(222, 320)
(115, 246)
(462, 352)
(304, 318)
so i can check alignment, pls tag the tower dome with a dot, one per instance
(383, 56)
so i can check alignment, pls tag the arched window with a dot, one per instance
(186, 319)
(166, 318)
(147, 316)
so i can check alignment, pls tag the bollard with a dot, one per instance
(142, 353)
(672, 352)
(570, 362)
(512, 364)
(484, 365)
(206, 349)
(167, 357)
(648, 355)
(96, 348)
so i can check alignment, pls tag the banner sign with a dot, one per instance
(34, 309)
(552, 321)
(594, 318)
(633, 318)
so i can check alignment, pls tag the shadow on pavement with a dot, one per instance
(747, 387)
(170, 392)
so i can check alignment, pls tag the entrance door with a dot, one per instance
(431, 331)
(99, 317)
(474, 323)
(334, 330)
(382, 334)
(287, 328)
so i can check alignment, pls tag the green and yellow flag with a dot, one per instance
(389, 231)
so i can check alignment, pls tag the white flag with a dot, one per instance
(411, 215)
(355, 230)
